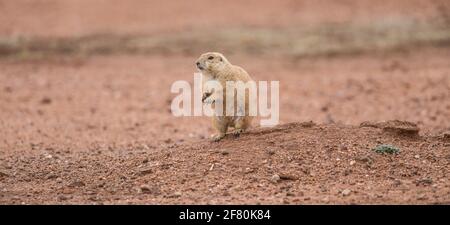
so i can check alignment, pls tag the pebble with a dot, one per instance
(51, 176)
(421, 197)
(3, 174)
(346, 192)
(62, 198)
(77, 184)
(352, 162)
(145, 189)
(287, 177)
(270, 151)
(290, 194)
(224, 152)
(46, 100)
(275, 178)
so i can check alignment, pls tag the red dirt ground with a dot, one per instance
(98, 130)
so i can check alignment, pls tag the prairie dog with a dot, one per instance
(214, 66)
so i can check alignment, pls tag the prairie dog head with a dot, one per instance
(211, 62)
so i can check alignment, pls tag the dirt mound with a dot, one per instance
(296, 163)
(395, 126)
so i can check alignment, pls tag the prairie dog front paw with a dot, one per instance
(207, 98)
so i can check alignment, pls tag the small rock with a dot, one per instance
(290, 194)
(237, 188)
(347, 172)
(417, 156)
(145, 189)
(3, 174)
(275, 178)
(248, 170)
(224, 152)
(421, 197)
(397, 182)
(401, 127)
(62, 198)
(352, 162)
(424, 182)
(285, 176)
(346, 192)
(51, 176)
(177, 194)
(446, 135)
(90, 192)
(270, 151)
(77, 184)
(46, 100)
(145, 171)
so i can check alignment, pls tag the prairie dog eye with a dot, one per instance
(211, 57)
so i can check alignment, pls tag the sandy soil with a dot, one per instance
(99, 130)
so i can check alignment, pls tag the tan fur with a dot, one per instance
(215, 66)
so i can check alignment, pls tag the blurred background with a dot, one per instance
(291, 27)
(79, 73)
